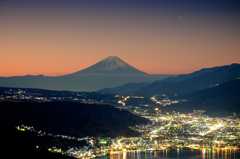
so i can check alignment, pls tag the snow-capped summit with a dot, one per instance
(110, 63)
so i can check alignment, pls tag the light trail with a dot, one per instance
(155, 131)
(213, 128)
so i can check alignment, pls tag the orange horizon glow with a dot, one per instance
(50, 72)
(54, 39)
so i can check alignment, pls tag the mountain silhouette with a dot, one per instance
(110, 65)
(108, 73)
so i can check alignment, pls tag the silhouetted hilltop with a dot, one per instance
(71, 118)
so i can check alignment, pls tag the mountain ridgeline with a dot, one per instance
(108, 73)
(182, 84)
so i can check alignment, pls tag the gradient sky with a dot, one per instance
(57, 37)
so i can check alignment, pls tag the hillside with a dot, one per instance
(19, 144)
(220, 100)
(65, 118)
(71, 118)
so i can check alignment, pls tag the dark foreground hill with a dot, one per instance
(220, 100)
(19, 144)
(71, 118)
(64, 118)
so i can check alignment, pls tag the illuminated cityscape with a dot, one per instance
(169, 131)
(165, 132)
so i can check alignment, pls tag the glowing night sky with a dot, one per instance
(57, 37)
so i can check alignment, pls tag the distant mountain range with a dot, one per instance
(108, 73)
(182, 84)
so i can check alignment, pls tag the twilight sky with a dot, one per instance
(57, 37)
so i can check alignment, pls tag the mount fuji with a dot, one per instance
(108, 73)
(110, 65)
